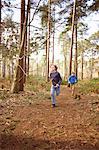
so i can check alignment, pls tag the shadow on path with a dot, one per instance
(11, 142)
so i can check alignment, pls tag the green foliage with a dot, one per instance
(89, 86)
(44, 16)
(10, 37)
(94, 39)
(37, 84)
(64, 82)
(81, 7)
(39, 87)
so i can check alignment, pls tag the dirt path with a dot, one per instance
(72, 125)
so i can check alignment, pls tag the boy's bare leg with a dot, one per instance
(73, 90)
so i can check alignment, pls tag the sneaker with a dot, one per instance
(53, 105)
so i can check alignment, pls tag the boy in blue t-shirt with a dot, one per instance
(72, 80)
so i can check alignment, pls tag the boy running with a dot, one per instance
(72, 80)
(56, 82)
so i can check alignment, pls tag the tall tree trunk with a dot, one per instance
(28, 43)
(71, 47)
(37, 69)
(64, 66)
(64, 75)
(12, 69)
(76, 52)
(9, 71)
(48, 39)
(3, 62)
(91, 69)
(46, 55)
(25, 54)
(53, 49)
(3, 68)
(82, 65)
(91, 65)
(53, 38)
(22, 58)
(0, 24)
(18, 83)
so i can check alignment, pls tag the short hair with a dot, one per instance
(55, 67)
(73, 72)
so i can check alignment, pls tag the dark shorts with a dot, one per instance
(72, 83)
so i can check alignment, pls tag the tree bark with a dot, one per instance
(65, 67)
(82, 64)
(48, 39)
(0, 23)
(46, 55)
(3, 68)
(53, 49)
(3, 61)
(22, 58)
(9, 72)
(12, 69)
(25, 56)
(65, 59)
(37, 67)
(28, 44)
(53, 38)
(91, 66)
(18, 83)
(76, 52)
(71, 47)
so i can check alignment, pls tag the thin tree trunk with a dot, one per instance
(28, 59)
(9, 71)
(64, 58)
(91, 73)
(71, 47)
(0, 24)
(64, 67)
(46, 55)
(48, 39)
(53, 38)
(22, 58)
(12, 69)
(82, 64)
(37, 69)
(25, 54)
(53, 49)
(17, 85)
(76, 52)
(3, 68)
(2, 65)
(91, 66)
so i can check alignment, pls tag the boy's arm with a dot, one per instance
(76, 80)
(50, 77)
(60, 79)
(69, 79)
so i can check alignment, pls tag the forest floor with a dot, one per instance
(28, 122)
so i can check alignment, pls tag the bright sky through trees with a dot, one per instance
(92, 21)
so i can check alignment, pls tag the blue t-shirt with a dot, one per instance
(72, 79)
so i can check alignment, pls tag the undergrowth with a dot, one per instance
(89, 86)
(37, 84)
